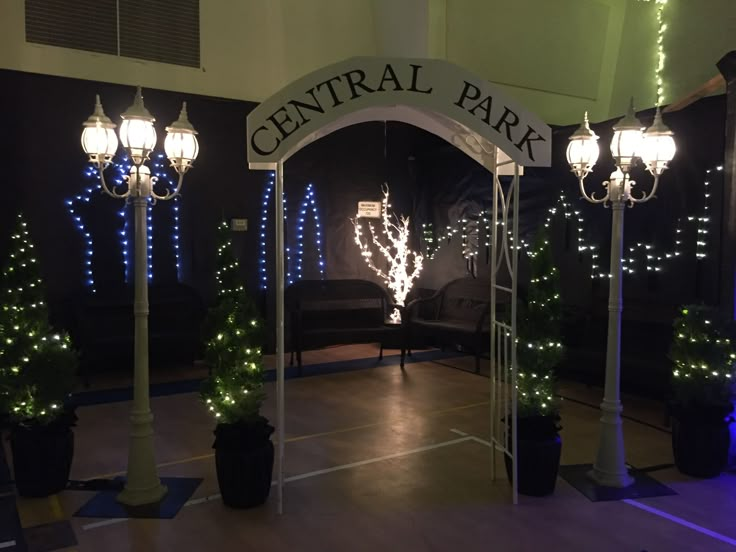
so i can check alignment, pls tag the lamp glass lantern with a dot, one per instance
(658, 145)
(181, 144)
(98, 137)
(627, 139)
(582, 150)
(137, 133)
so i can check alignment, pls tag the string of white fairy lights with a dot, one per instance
(660, 57)
(644, 253)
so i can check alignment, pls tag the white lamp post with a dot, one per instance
(655, 148)
(138, 137)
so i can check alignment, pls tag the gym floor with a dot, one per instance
(377, 459)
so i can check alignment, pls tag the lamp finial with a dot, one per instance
(138, 109)
(98, 116)
(182, 123)
(629, 121)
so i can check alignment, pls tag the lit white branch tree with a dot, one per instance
(404, 265)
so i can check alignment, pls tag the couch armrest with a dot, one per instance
(412, 307)
(486, 313)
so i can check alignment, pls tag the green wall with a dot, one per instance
(558, 57)
(698, 34)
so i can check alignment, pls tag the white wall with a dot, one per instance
(559, 58)
(698, 34)
(249, 48)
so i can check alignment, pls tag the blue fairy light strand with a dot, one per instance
(121, 169)
(294, 257)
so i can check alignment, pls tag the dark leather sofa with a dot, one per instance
(458, 314)
(335, 312)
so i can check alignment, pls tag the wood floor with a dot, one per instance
(380, 460)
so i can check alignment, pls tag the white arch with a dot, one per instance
(435, 95)
(444, 99)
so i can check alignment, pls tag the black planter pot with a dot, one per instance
(538, 451)
(700, 441)
(42, 458)
(244, 462)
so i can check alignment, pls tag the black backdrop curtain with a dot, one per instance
(429, 180)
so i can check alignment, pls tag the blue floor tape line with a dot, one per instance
(104, 396)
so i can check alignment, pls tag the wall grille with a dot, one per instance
(166, 31)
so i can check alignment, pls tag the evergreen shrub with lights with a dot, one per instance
(37, 372)
(539, 349)
(234, 391)
(703, 376)
(37, 364)
(704, 360)
(233, 338)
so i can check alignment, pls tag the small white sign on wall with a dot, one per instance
(239, 224)
(369, 209)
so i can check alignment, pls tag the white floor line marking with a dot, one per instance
(103, 523)
(476, 439)
(7, 544)
(201, 500)
(680, 521)
(377, 459)
(651, 510)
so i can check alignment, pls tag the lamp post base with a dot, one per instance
(606, 479)
(609, 469)
(142, 485)
(139, 497)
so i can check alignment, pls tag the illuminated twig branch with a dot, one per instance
(404, 263)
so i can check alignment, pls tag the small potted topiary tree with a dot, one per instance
(539, 351)
(233, 392)
(37, 374)
(703, 379)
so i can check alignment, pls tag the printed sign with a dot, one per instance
(369, 209)
(294, 116)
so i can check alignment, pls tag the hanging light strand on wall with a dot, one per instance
(89, 278)
(73, 205)
(160, 172)
(262, 270)
(149, 238)
(704, 219)
(289, 279)
(661, 28)
(652, 259)
(124, 242)
(307, 205)
(122, 168)
(175, 237)
(660, 55)
(564, 208)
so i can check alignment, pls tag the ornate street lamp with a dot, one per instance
(656, 148)
(138, 137)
